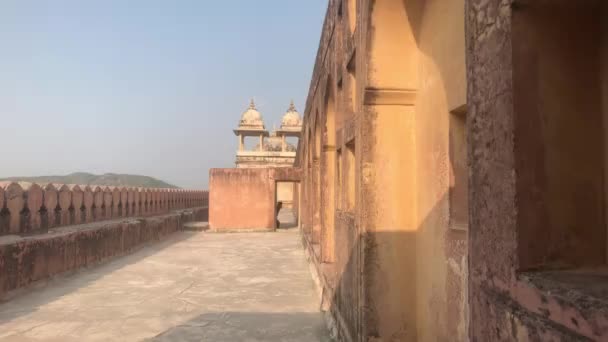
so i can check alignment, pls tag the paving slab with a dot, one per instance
(192, 287)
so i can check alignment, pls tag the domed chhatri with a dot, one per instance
(252, 118)
(272, 150)
(274, 143)
(291, 119)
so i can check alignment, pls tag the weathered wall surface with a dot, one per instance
(28, 260)
(441, 271)
(553, 110)
(375, 148)
(245, 199)
(241, 199)
(444, 201)
(535, 241)
(604, 81)
(29, 208)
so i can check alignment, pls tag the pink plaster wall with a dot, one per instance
(241, 199)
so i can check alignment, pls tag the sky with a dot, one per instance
(149, 87)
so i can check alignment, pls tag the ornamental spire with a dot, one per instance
(292, 107)
(252, 104)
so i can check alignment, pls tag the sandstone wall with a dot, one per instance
(440, 117)
(241, 199)
(29, 208)
(537, 244)
(444, 200)
(245, 199)
(375, 152)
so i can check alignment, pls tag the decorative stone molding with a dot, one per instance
(107, 202)
(76, 207)
(1, 199)
(97, 212)
(400, 97)
(30, 208)
(14, 203)
(34, 199)
(124, 205)
(51, 201)
(87, 204)
(64, 199)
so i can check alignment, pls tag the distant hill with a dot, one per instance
(110, 179)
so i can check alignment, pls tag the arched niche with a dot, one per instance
(328, 174)
(393, 61)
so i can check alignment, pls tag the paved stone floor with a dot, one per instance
(193, 287)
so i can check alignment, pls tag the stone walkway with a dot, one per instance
(193, 287)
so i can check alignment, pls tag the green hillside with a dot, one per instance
(110, 179)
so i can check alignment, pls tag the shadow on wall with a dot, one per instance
(374, 291)
(373, 285)
(249, 326)
(74, 280)
(400, 272)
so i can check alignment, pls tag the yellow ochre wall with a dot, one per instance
(390, 267)
(441, 251)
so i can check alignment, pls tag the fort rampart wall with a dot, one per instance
(52, 229)
(30, 208)
(33, 260)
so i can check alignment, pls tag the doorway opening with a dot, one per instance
(287, 205)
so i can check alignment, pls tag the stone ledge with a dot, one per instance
(576, 299)
(28, 261)
(196, 226)
(242, 230)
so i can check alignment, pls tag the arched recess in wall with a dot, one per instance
(308, 146)
(316, 186)
(317, 133)
(393, 46)
(308, 195)
(391, 80)
(390, 93)
(352, 15)
(328, 198)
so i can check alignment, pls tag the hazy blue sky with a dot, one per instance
(145, 86)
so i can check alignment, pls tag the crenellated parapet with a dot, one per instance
(30, 208)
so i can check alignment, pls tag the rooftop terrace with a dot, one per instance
(190, 287)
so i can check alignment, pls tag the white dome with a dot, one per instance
(251, 117)
(291, 117)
